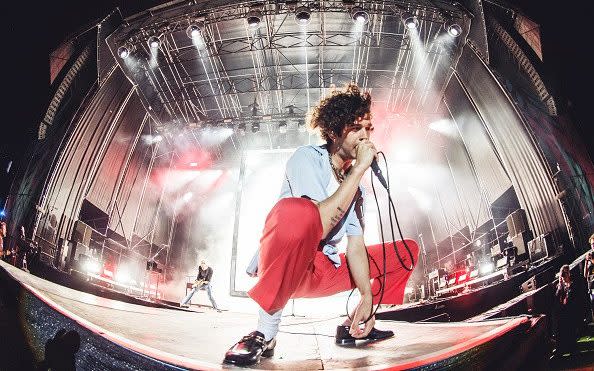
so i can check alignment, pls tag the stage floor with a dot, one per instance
(199, 339)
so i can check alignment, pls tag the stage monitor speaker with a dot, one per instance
(496, 250)
(529, 284)
(540, 279)
(541, 247)
(501, 262)
(520, 241)
(517, 222)
(548, 244)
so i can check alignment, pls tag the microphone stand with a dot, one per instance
(293, 310)
(424, 255)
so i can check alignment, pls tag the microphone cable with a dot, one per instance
(391, 208)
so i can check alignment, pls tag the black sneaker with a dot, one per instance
(250, 349)
(343, 337)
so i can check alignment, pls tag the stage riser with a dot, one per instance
(458, 308)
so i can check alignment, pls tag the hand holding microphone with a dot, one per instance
(366, 151)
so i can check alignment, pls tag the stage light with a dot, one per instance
(193, 164)
(409, 20)
(92, 266)
(254, 17)
(153, 42)
(123, 52)
(193, 31)
(359, 15)
(302, 16)
(453, 28)
(478, 243)
(282, 127)
(158, 138)
(255, 127)
(2, 213)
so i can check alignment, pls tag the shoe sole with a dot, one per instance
(268, 353)
(352, 341)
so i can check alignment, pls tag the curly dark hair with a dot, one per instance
(338, 110)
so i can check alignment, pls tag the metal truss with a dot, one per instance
(234, 73)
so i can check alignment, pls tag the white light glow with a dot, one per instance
(445, 127)
(187, 196)
(92, 266)
(214, 136)
(122, 275)
(486, 268)
(405, 152)
(424, 201)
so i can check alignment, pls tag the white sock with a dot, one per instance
(268, 323)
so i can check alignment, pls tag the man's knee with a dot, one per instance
(297, 216)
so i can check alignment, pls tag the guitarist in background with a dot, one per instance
(202, 282)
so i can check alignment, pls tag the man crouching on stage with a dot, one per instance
(321, 201)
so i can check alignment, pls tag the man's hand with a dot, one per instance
(362, 312)
(366, 152)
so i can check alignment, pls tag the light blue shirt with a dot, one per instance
(308, 173)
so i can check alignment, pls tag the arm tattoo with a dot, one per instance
(336, 218)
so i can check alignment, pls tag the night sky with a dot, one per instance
(35, 31)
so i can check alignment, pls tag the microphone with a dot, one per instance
(378, 173)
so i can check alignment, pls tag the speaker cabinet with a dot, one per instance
(496, 250)
(517, 222)
(541, 247)
(520, 241)
(540, 279)
(81, 233)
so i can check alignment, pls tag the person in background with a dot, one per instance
(2, 236)
(589, 276)
(571, 298)
(203, 280)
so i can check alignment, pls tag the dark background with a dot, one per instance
(35, 30)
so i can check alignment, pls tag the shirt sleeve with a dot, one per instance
(208, 274)
(304, 175)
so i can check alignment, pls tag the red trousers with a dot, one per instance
(292, 266)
